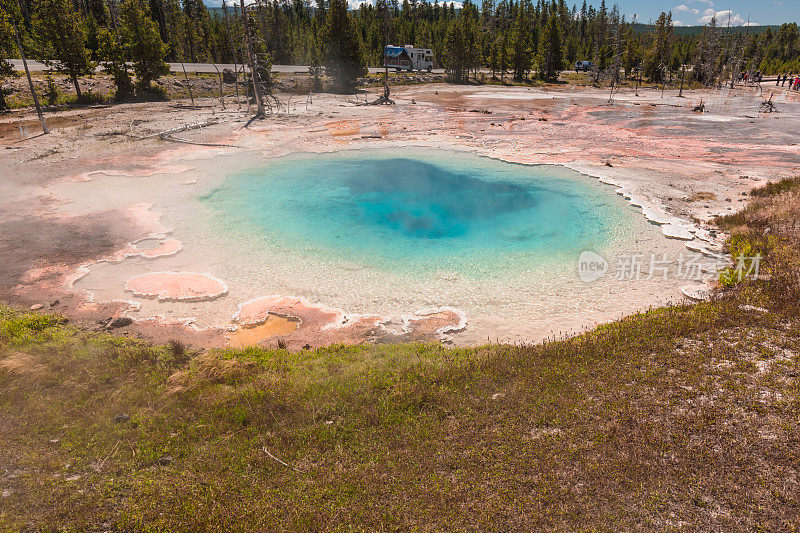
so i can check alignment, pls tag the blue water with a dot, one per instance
(425, 211)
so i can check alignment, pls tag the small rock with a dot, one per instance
(120, 418)
(498, 395)
(538, 433)
(53, 304)
(55, 441)
(36, 307)
(6, 493)
(76, 477)
(754, 308)
(120, 322)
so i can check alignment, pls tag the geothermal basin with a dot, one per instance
(386, 244)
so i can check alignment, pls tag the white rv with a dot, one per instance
(408, 58)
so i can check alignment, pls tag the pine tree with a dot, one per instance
(112, 57)
(62, 31)
(143, 43)
(521, 59)
(197, 31)
(344, 57)
(632, 56)
(462, 52)
(6, 51)
(503, 45)
(503, 35)
(551, 59)
(658, 55)
(455, 62)
(14, 17)
(175, 28)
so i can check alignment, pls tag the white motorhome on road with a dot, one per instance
(408, 58)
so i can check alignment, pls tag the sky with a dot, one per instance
(684, 12)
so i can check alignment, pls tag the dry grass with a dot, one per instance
(680, 418)
(770, 226)
(700, 196)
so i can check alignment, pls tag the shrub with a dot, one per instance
(768, 227)
(51, 95)
(25, 325)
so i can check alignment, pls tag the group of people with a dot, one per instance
(754, 77)
(794, 81)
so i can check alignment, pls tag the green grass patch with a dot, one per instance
(682, 417)
(106, 430)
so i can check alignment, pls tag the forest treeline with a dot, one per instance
(132, 39)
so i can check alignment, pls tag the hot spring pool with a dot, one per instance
(390, 232)
(418, 213)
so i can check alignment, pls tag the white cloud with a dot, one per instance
(678, 23)
(684, 7)
(723, 17)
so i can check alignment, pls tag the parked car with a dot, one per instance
(585, 66)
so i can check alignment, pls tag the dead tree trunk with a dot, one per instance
(112, 13)
(30, 81)
(189, 85)
(221, 86)
(246, 83)
(253, 66)
(77, 85)
(233, 50)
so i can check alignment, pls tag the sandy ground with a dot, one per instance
(680, 166)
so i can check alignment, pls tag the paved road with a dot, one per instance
(36, 66)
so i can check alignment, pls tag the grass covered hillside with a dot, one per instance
(682, 417)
